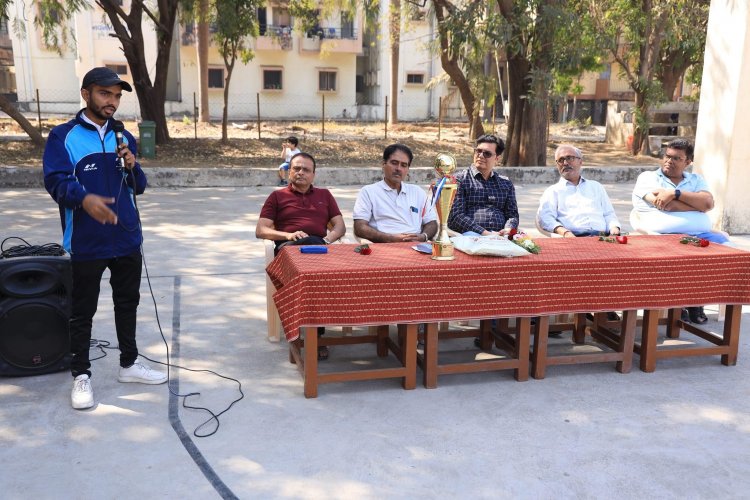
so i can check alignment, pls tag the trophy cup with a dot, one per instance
(445, 191)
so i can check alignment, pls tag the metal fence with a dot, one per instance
(248, 110)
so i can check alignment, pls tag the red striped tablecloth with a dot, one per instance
(396, 284)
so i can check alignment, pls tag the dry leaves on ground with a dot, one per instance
(338, 145)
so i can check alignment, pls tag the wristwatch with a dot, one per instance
(677, 194)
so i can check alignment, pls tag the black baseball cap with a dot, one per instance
(104, 77)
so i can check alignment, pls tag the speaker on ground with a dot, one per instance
(35, 305)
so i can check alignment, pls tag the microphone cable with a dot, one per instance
(29, 250)
(213, 417)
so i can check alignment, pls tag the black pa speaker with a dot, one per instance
(35, 305)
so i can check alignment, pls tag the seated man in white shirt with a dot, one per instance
(391, 210)
(671, 200)
(576, 206)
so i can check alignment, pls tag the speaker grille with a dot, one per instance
(34, 334)
(30, 279)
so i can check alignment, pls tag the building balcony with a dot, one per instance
(339, 40)
(274, 38)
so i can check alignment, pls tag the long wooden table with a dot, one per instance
(397, 285)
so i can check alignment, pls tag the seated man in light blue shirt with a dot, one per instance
(391, 210)
(576, 206)
(671, 200)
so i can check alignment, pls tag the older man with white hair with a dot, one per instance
(576, 206)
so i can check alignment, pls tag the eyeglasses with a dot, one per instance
(569, 159)
(674, 158)
(483, 152)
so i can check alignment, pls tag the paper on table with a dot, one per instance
(488, 245)
(423, 247)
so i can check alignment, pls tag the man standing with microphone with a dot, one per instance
(90, 170)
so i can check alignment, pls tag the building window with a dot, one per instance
(326, 81)
(415, 78)
(120, 69)
(272, 79)
(216, 78)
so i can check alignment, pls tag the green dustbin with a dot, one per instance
(147, 140)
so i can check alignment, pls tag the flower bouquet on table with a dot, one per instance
(524, 241)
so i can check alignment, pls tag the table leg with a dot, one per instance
(732, 333)
(430, 356)
(539, 357)
(311, 362)
(579, 328)
(673, 323)
(382, 346)
(522, 349)
(485, 335)
(409, 352)
(627, 339)
(649, 337)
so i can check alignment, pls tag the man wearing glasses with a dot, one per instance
(576, 206)
(671, 200)
(391, 210)
(485, 201)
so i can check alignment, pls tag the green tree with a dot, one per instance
(54, 34)
(633, 33)
(535, 38)
(236, 20)
(52, 21)
(128, 27)
(684, 45)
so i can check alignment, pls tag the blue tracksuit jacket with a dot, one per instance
(78, 162)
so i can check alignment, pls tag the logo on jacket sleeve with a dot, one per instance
(89, 167)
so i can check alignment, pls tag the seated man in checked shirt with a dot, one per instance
(485, 201)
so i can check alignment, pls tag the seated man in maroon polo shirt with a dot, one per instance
(301, 214)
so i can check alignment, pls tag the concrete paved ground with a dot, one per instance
(584, 432)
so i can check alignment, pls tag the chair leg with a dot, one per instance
(272, 314)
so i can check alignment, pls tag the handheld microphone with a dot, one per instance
(118, 127)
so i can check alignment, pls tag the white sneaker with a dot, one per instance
(82, 395)
(142, 374)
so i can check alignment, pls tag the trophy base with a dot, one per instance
(442, 251)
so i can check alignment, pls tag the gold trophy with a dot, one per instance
(445, 165)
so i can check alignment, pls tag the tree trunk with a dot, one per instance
(395, 29)
(203, 44)
(9, 109)
(518, 68)
(225, 114)
(451, 66)
(640, 123)
(151, 96)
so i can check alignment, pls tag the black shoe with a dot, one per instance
(555, 335)
(613, 316)
(684, 316)
(697, 315)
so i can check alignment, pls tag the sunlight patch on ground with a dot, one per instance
(141, 434)
(243, 465)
